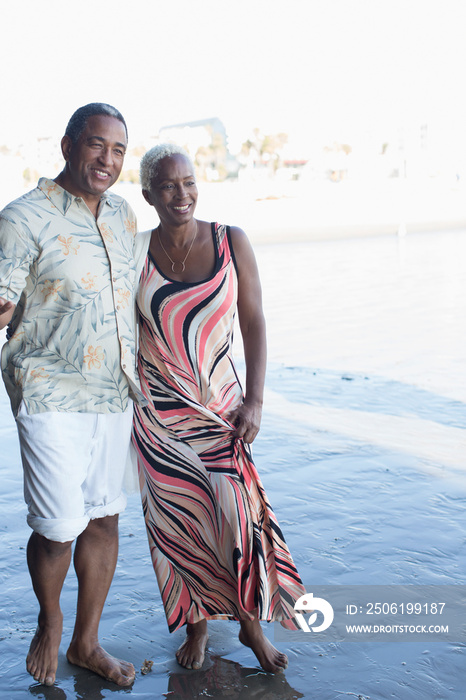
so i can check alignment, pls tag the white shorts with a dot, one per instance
(74, 466)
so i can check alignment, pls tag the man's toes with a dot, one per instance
(123, 676)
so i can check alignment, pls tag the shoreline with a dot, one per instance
(303, 234)
(271, 212)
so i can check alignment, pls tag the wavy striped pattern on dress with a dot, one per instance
(216, 546)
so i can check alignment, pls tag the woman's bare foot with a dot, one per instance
(252, 636)
(99, 661)
(42, 659)
(191, 653)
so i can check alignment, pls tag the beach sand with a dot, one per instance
(362, 453)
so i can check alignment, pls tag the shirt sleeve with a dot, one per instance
(16, 257)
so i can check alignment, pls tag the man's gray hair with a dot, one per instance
(79, 119)
(150, 162)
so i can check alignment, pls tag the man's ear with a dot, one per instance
(66, 146)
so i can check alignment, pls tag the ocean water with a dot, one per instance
(369, 334)
(363, 455)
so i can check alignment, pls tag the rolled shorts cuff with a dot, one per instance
(58, 529)
(113, 508)
(67, 530)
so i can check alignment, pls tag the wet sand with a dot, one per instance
(362, 452)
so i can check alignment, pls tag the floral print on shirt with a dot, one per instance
(72, 279)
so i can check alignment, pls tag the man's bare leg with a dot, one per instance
(252, 635)
(191, 653)
(95, 558)
(48, 564)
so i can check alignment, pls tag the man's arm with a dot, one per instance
(18, 251)
(6, 312)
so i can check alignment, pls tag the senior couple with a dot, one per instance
(73, 269)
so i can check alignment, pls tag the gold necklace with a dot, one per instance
(178, 262)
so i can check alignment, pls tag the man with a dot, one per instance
(67, 276)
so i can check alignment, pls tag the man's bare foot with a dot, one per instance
(191, 653)
(42, 659)
(252, 636)
(99, 661)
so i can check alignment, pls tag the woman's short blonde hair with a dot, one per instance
(150, 162)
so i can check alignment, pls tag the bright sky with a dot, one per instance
(311, 68)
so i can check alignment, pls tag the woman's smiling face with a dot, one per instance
(173, 190)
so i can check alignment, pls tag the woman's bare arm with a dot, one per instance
(247, 417)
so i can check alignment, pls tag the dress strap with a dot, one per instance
(224, 245)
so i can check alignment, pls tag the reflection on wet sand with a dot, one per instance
(220, 678)
(86, 686)
(228, 679)
(51, 693)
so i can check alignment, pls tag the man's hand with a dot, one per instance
(6, 312)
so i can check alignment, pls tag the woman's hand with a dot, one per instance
(246, 419)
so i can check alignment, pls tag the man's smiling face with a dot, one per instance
(94, 162)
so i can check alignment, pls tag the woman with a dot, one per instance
(216, 546)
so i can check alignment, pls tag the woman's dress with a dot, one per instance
(215, 543)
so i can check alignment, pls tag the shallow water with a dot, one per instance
(362, 453)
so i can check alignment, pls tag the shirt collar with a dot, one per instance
(62, 199)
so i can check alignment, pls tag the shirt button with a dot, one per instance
(124, 366)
